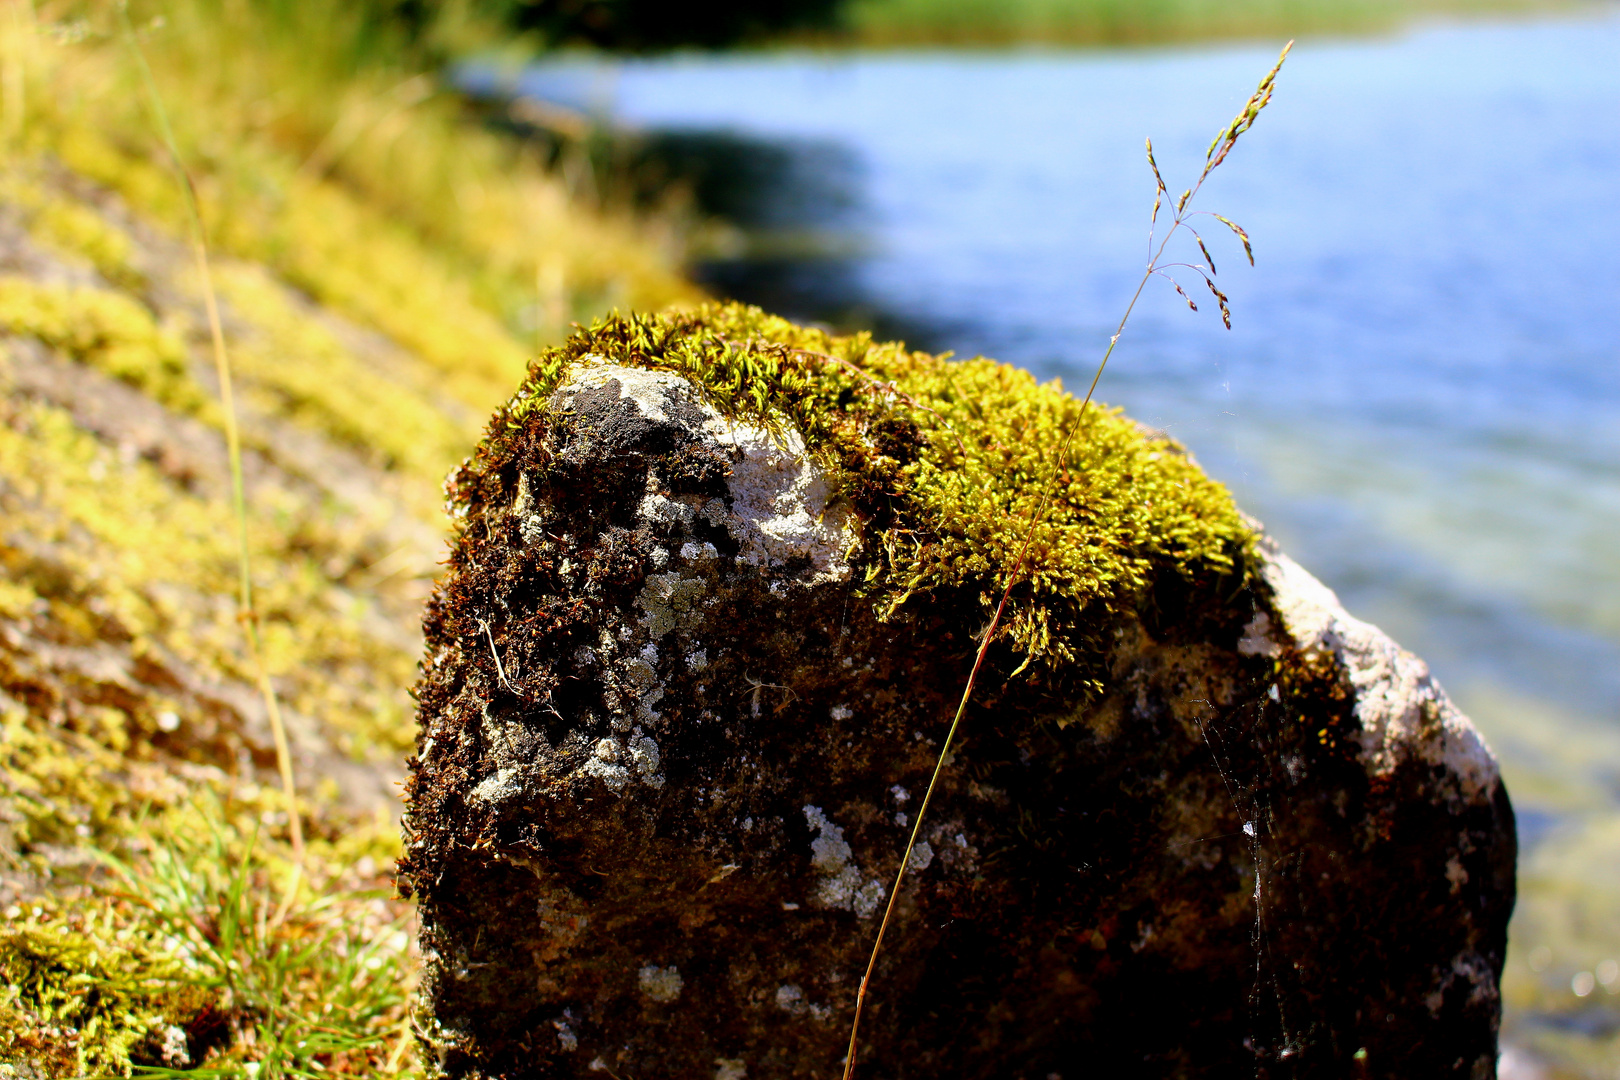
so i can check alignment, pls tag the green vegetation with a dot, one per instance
(385, 269)
(945, 462)
(645, 25)
(1100, 22)
(180, 954)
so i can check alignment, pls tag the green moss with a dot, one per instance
(946, 463)
(68, 227)
(85, 989)
(169, 956)
(107, 330)
(300, 369)
(361, 187)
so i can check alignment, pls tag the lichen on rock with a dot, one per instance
(715, 583)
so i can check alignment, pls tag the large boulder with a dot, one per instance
(716, 584)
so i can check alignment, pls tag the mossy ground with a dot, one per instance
(385, 270)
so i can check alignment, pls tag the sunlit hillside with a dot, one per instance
(383, 270)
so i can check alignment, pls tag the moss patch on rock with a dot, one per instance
(946, 464)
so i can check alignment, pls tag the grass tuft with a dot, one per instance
(174, 964)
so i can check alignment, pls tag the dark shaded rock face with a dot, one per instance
(669, 753)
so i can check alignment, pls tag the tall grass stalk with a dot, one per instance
(233, 441)
(1218, 150)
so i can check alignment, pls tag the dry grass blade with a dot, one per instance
(233, 442)
(1225, 140)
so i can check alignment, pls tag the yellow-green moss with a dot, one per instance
(113, 986)
(107, 330)
(362, 187)
(169, 953)
(300, 369)
(139, 559)
(947, 463)
(68, 227)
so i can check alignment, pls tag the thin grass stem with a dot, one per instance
(1225, 140)
(233, 443)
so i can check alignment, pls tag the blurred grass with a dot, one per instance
(386, 267)
(1128, 22)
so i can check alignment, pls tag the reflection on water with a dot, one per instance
(1421, 396)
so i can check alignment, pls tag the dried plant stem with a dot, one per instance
(233, 442)
(1212, 159)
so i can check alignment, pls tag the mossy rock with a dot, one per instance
(715, 586)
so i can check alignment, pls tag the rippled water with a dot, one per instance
(1421, 395)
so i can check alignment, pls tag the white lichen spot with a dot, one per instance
(649, 654)
(662, 984)
(922, 856)
(644, 708)
(668, 599)
(840, 712)
(790, 998)
(660, 510)
(601, 764)
(730, 1069)
(781, 507)
(867, 899)
(705, 552)
(175, 1050)
(829, 852)
(644, 756)
(496, 788)
(651, 391)
(1256, 640)
(640, 673)
(565, 1035)
(697, 660)
(900, 794)
(841, 884)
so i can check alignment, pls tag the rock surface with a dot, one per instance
(669, 754)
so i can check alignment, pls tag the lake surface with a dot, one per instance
(1421, 393)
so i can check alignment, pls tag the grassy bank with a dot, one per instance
(384, 270)
(1104, 22)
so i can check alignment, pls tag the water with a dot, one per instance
(1421, 394)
